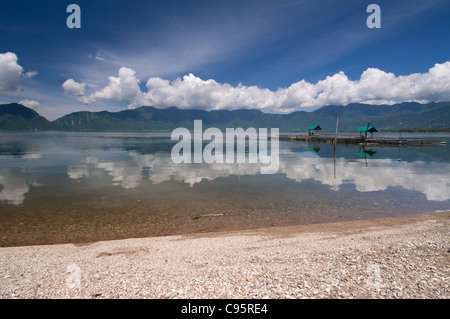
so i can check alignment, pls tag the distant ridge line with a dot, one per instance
(406, 116)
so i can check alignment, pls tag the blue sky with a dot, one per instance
(271, 55)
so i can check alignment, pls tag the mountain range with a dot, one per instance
(412, 116)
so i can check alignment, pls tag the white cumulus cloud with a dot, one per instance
(33, 104)
(72, 87)
(10, 71)
(123, 88)
(374, 86)
(30, 74)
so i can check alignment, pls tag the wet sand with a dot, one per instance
(399, 257)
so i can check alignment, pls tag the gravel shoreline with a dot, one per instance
(401, 257)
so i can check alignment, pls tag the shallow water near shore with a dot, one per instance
(61, 187)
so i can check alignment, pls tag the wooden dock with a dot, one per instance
(361, 140)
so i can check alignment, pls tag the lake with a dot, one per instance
(67, 187)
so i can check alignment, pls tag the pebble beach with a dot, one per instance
(400, 257)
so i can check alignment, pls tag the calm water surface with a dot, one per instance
(80, 187)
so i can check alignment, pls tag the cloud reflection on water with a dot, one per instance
(129, 167)
(430, 179)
